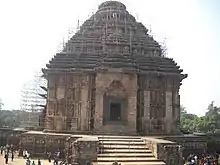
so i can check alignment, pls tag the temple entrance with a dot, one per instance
(115, 112)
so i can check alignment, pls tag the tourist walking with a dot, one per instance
(6, 158)
(39, 162)
(1, 150)
(12, 156)
(55, 161)
(28, 162)
(27, 155)
(49, 157)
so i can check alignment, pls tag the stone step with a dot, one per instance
(124, 142)
(126, 159)
(120, 137)
(126, 155)
(131, 163)
(115, 146)
(119, 150)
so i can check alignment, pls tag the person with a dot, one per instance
(27, 155)
(20, 152)
(39, 162)
(58, 154)
(55, 161)
(49, 157)
(1, 150)
(12, 156)
(28, 162)
(33, 163)
(6, 158)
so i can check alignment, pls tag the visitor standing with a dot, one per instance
(33, 163)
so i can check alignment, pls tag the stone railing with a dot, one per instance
(165, 150)
(85, 150)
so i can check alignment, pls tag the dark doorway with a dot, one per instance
(115, 111)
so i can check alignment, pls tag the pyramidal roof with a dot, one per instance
(112, 38)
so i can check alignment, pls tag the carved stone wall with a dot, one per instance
(81, 150)
(161, 110)
(126, 89)
(169, 109)
(165, 150)
(80, 102)
(69, 102)
(38, 144)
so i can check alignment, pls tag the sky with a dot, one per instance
(32, 31)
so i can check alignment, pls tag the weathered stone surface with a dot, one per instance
(168, 151)
(82, 150)
(110, 59)
(40, 143)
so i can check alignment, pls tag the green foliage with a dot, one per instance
(1, 104)
(9, 119)
(210, 123)
(17, 118)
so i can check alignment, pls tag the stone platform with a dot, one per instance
(105, 149)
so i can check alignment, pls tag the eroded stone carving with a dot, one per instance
(116, 89)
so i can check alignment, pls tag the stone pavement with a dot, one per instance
(20, 161)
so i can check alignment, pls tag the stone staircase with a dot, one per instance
(125, 150)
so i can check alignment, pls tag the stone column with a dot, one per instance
(84, 107)
(132, 111)
(169, 116)
(146, 118)
(176, 107)
(98, 121)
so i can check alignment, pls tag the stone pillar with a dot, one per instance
(98, 121)
(86, 150)
(84, 107)
(173, 154)
(59, 123)
(169, 116)
(146, 117)
(176, 105)
(132, 111)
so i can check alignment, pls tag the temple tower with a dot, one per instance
(112, 78)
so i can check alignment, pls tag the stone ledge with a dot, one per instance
(165, 150)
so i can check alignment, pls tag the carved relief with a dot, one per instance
(62, 80)
(51, 108)
(49, 123)
(60, 93)
(116, 89)
(126, 49)
(59, 123)
(51, 93)
(157, 105)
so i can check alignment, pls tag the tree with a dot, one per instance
(1, 104)
(187, 120)
(209, 123)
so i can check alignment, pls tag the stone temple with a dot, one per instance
(110, 84)
(112, 78)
